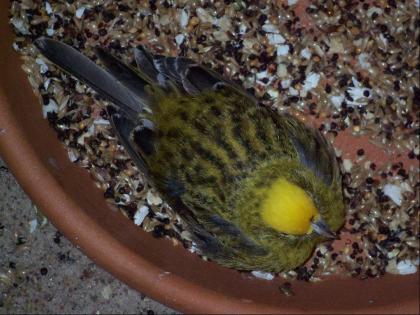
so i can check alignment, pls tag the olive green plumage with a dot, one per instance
(212, 151)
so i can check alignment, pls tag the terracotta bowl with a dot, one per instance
(155, 267)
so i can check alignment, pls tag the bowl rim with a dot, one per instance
(140, 274)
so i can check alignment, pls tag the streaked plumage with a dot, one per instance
(213, 153)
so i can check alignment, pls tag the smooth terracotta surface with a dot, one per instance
(67, 195)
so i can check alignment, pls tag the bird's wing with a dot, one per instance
(144, 60)
(216, 237)
(312, 149)
(124, 128)
(183, 72)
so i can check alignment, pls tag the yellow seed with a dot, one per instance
(354, 31)
(194, 21)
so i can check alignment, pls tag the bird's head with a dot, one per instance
(289, 209)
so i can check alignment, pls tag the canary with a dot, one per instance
(258, 190)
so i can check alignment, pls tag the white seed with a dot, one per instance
(363, 61)
(270, 28)
(273, 93)
(79, 12)
(262, 275)
(347, 164)
(336, 100)
(51, 107)
(306, 53)
(153, 199)
(184, 18)
(285, 83)
(282, 70)
(48, 8)
(406, 267)
(275, 39)
(282, 50)
(179, 39)
(394, 193)
(311, 81)
(140, 214)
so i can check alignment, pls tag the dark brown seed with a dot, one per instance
(286, 288)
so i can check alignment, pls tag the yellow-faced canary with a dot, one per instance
(258, 190)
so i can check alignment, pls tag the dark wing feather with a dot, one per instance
(124, 128)
(128, 77)
(183, 73)
(204, 229)
(206, 79)
(234, 241)
(313, 150)
(144, 60)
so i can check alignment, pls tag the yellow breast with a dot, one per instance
(287, 208)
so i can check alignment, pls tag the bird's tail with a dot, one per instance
(121, 84)
(126, 86)
(135, 91)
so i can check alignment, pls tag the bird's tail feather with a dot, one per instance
(124, 90)
(132, 79)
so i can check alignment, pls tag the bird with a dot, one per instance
(257, 189)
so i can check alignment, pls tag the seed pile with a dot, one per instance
(351, 64)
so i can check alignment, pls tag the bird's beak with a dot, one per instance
(321, 228)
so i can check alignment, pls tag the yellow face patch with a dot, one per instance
(287, 208)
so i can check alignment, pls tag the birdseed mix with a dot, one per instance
(352, 66)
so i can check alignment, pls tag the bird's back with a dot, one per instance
(206, 146)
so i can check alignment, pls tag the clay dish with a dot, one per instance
(171, 275)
